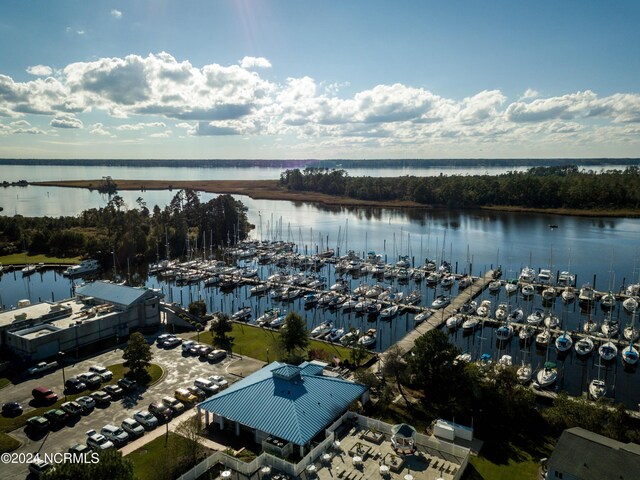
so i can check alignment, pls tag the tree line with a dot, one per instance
(135, 233)
(563, 186)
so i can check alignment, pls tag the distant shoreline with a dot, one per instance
(271, 190)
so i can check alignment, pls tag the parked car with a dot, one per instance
(56, 416)
(115, 434)
(204, 350)
(114, 390)
(11, 409)
(216, 355)
(220, 381)
(72, 408)
(172, 342)
(146, 419)
(127, 385)
(207, 385)
(42, 367)
(195, 349)
(74, 385)
(79, 449)
(87, 402)
(160, 411)
(132, 427)
(198, 392)
(37, 424)
(105, 374)
(162, 338)
(98, 441)
(39, 466)
(184, 395)
(92, 380)
(186, 345)
(44, 395)
(101, 397)
(176, 406)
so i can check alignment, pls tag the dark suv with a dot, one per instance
(160, 410)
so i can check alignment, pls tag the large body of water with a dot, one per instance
(604, 250)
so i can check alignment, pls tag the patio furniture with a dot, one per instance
(326, 458)
(384, 470)
(226, 474)
(357, 460)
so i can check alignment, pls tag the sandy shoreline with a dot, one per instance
(271, 190)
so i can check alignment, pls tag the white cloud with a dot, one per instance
(254, 62)
(66, 121)
(165, 134)
(116, 13)
(529, 93)
(40, 70)
(140, 126)
(98, 129)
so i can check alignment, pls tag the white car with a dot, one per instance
(219, 380)
(115, 434)
(146, 419)
(97, 441)
(133, 428)
(176, 406)
(38, 467)
(105, 374)
(187, 345)
(87, 402)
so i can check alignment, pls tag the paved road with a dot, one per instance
(179, 371)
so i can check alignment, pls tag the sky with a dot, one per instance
(356, 79)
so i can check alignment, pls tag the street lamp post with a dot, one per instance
(64, 380)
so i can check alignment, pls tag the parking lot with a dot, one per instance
(179, 371)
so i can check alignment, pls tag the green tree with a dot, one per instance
(111, 466)
(394, 365)
(198, 308)
(293, 334)
(358, 354)
(137, 356)
(220, 326)
(191, 447)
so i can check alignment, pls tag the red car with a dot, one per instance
(44, 394)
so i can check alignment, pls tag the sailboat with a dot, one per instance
(564, 342)
(547, 375)
(584, 346)
(630, 355)
(597, 387)
(631, 333)
(524, 372)
(608, 351)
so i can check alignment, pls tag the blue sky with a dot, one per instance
(330, 79)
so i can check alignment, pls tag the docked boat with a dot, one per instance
(433, 278)
(465, 282)
(339, 286)
(630, 304)
(28, 270)
(454, 321)
(389, 312)
(584, 346)
(373, 308)
(441, 301)
(608, 351)
(350, 338)
(469, 308)
(505, 361)
(564, 342)
(349, 304)
(535, 318)
(374, 292)
(422, 316)
(504, 332)
(501, 311)
(311, 299)
(631, 332)
(610, 327)
(484, 309)
(86, 266)
(545, 277)
(495, 286)
(470, 324)
(551, 320)
(278, 321)
(242, 315)
(590, 326)
(543, 338)
(511, 287)
(633, 290)
(268, 316)
(547, 375)
(528, 290)
(527, 275)
(413, 298)
(322, 329)
(587, 294)
(526, 332)
(369, 339)
(566, 279)
(630, 355)
(524, 373)
(335, 334)
(568, 294)
(548, 294)
(517, 315)
(597, 389)
(336, 301)
(259, 288)
(608, 301)
(447, 281)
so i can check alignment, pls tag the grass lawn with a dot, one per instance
(262, 344)
(4, 382)
(19, 258)
(154, 460)
(8, 424)
(482, 468)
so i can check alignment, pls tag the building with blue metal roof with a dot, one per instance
(291, 404)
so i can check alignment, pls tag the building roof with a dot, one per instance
(589, 456)
(285, 401)
(112, 293)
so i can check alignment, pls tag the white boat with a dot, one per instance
(469, 308)
(548, 294)
(566, 279)
(551, 320)
(568, 294)
(28, 270)
(440, 302)
(526, 332)
(351, 337)
(505, 361)
(511, 287)
(259, 288)
(608, 351)
(543, 338)
(528, 290)
(484, 309)
(495, 286)
(587, 294)
(373, 308)
(463, 357)
(339, 286)
(454, 322)
(349, 304)
(433, 278)
(608, 301)
(369, 339)
(547, 375)
(564, 342)
(630, 304)
(278, 321)
(389, 312)
(422, 316)
(545, 277)
(470, 324)
(403, 274)
(322, 329)
(633, 290)
(527, 275)
(465, 282)
(501, 311)
(361, 289)
(336, 334)
(630, 355)
(597, 389)
(631, 332)
(610, 327)
(268, 316)
(241, 315)
(589, 326)
(584, 346)
(83, 267)
(524, 373)
(413, 298)
(374, 292)
(311, 299)
(517, 315)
